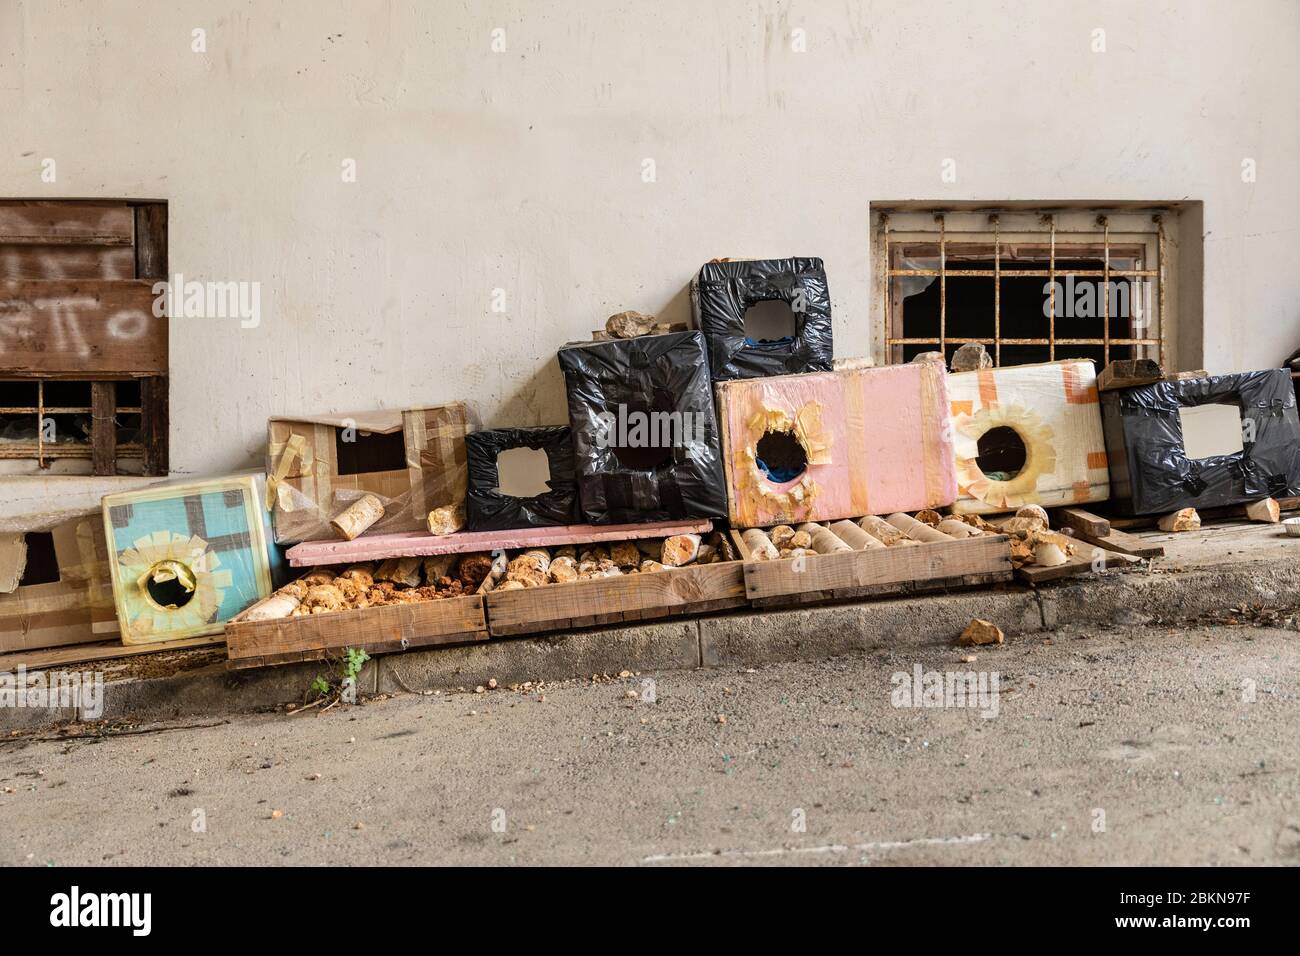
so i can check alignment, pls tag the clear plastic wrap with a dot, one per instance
(487, 509)
(645, 438)
(412, 460)
(1150, 470)
(723, 291)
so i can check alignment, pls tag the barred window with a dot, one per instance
(1031, 285)
(83, 357)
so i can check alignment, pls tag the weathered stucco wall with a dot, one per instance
(522, 170)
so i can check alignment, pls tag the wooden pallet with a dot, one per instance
(375, 630)
(877, 573)
(694, 589)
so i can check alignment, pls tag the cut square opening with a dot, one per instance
(42, 564)
(523, 472)
(369, 451)
(770, 320)
(1211, 430)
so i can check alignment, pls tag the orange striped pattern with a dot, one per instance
(1098, 459)
(988, 387)
(1076, 394)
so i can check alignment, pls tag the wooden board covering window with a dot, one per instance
(77, 304)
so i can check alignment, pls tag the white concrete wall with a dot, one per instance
(522, 170)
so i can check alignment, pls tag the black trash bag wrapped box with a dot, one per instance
(1150, 472)
(645, 438)
(487, 509)
(723, 291)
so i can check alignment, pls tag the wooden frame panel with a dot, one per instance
(632, 597)
(849, 575)
(375, 630)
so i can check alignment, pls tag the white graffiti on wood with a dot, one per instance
(54, 324)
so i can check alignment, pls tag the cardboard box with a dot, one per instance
(185, 558)
(55, 586)
(413, 461)
(1027, 434)
(832, 445)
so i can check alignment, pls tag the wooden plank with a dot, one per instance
(54, 222)
(49, 262)
(89, 653)
(83, 327)
(885, 566)
(1121, 542)
(895, 590)
(103, 429)
(154, 424)
(151, 241)
(1079, 520)
(1086, 559)
(409, 544)
(376, 629)
(1126, 373)
(685, 590)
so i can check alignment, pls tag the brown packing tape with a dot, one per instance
(414, 433)
(933, 454)
(856, 415)
(290, 452)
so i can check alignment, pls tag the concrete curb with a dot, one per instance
(735, 639)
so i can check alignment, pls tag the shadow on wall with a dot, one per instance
(678, 308)
(541, 400)
(538, 401)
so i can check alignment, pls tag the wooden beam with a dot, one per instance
(89, 327)
(103, 427)
(154, 424)
(49, 261)
(151, 241)
(1127, 373)
(62, 222)
(1082, 521)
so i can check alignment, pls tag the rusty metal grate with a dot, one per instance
(44, 452)
(1088, 243)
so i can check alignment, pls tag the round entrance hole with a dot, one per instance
(1001, 453)
(170, 584)
(780, 457)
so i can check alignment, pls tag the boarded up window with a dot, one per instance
(83, 357)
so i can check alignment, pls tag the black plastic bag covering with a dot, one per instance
(1150, 472)
(648, 374)
(725, 290)
(486, 509)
